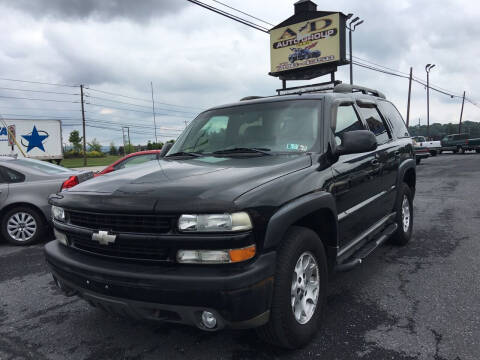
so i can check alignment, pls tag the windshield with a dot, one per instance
(42, 166)
(287, 126)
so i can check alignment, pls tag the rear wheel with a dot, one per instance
(418, 160)
(433, 152)
(22, 226)
(300, 290)
(460, 150)
(404, 216)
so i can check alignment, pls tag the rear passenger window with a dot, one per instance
(376, 124)
(11, 176)
(399, 128)
(347, 120)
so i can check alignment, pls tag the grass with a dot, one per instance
(78, 162)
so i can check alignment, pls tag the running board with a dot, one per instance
(367, 249)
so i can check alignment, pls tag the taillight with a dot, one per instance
(70, 182)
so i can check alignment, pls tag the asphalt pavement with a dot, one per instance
(421, 301)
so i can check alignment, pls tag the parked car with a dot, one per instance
(243, 220)
(132, 159)
(459, 143)
(25, 185)
(433, 147)
(421, 152)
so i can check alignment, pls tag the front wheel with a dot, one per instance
(300, 290)
(417, 160)
(22, 226)
(404, 216)
(460, 150)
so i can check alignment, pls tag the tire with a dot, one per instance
(417, 160)
(404, 233)
(440, 151)
(283, 328)
(433, 152)
(26, 218)
(460, 150)
(477, 151)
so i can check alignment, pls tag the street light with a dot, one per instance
(428, 67)
(351, 28)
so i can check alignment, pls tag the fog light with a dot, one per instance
(208, 320)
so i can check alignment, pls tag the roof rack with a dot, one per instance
(303, 89)
(347, 88)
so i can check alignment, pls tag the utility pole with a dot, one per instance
(461, 114)
(428, 67)
(129, 143)
(124, 144)
(153, 110)
(83, 126)
(409, 95)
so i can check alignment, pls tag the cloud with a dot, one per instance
(103, 10)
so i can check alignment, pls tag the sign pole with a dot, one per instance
(350, 47)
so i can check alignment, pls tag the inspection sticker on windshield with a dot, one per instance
(296, 147)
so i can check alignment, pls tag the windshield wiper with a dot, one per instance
(242, 150)
(184, 153)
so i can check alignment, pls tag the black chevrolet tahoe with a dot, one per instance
(241, 222)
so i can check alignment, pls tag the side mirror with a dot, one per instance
(164, 151)
(356, 141)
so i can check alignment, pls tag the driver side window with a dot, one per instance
(347, 120)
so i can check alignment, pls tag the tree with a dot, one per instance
(95, 145)
(76, 140)
(113, 149)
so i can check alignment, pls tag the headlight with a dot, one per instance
(58, 213)
(216, 256)
(215, 222)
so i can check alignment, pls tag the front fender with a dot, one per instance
(293, 211)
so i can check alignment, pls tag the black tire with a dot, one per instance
(440, 151)
(477, 151)
(417, 160)
(401, 236)
(34, 214)
(460, 150)
(283, 329)
(433, 152)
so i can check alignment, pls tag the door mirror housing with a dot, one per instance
(356, 141)
(167, 146)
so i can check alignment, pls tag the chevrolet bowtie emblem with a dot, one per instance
(104, 238)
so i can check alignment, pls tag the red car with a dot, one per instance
(131, 160)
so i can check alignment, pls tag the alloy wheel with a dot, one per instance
(305, 288)
(21, 226)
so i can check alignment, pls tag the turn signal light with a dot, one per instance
(237, 255)
(70, 182)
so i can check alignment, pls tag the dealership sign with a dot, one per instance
(310, 42)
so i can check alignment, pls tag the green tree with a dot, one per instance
(94, 145)
(76, 140)
(113, 149)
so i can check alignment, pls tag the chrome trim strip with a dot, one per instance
(367, 232)
(357, 207)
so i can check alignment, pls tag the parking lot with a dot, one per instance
(417, 302)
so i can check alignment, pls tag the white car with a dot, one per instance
(434, 147)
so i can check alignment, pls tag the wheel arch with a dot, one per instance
(307, 212)
(407, 174)
(11, 206)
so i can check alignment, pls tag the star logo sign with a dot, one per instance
(35, 140)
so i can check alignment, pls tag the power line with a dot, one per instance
(39, 91)
(139, 99)
(133, 125)
(38, 82)
(230, 16)
(51, 100)
(140, 111)
(242, 12)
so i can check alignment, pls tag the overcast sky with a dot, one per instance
(197, 59)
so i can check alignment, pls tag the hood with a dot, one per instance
(168, 185)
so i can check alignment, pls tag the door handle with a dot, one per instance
(374, 162)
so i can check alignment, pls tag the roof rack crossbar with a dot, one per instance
(347, 88)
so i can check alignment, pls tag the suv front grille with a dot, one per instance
(144, 249)
(137, 223)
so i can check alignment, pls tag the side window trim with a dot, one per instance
(373, 105)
